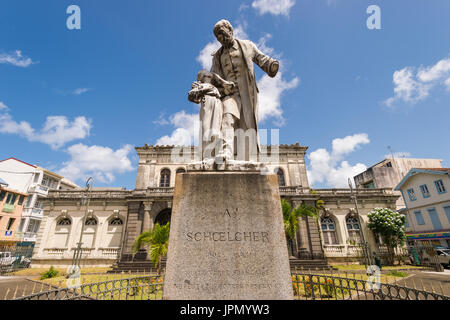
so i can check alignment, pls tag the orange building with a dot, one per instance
(11, 206)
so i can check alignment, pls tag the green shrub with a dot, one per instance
(395, 273)
(51, 273)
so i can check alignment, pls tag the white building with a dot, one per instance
(426, 193)
(35, 181)
(389, 172)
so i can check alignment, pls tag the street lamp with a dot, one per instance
(78, 250)
(366, 248)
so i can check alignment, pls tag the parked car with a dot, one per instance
(443, 256)
(7, 260)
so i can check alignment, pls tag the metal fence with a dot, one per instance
(306, 286)
(15, 257)
(329, 287)
(133, 288)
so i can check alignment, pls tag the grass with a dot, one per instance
(355, 267)
(62, 271)
(399, 274)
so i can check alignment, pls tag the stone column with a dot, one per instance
(148, 223)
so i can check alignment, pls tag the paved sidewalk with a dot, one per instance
(18, 285)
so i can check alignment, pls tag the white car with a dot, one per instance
(6, 259)
(443, 256)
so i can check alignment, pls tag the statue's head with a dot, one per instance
(223, 30)
(205, 76)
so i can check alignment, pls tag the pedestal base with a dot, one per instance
(227, 239)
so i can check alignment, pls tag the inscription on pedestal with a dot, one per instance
(227, 239)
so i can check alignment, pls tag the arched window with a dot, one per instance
(280, 175)
(91, 222)
(165, 178)
(61, 234)
(181, 170)
(64, 222)
(115, 222)
(163, 217)
(353, 229)
(328, 230)
(113, 236)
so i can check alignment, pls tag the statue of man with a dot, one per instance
(234, 62)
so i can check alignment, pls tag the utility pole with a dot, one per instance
(78, 250)
(366, 247)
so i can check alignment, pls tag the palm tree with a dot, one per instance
(157, 240)
(291, 216)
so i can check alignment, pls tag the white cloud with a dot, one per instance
(270, 91)
(16, 59)
(100, 162)
(330, 168)
(186, 130)
(414, 84)
(447, 83)
(275, 7)
(80, 91)
(56, 132)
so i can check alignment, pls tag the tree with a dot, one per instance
(291, 216)
(157, 240)
(390, 226)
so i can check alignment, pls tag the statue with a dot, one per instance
(205, 91)
(234, 62)
(230, 92)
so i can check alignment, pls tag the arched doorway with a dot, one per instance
(163, 217)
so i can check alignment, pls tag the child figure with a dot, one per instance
(206, 91)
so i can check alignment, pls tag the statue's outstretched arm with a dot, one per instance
(266, 63)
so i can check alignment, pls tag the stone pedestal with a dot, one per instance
(227, 238)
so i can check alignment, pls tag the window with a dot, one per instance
(115, 222)
(447, 213)
(33, 226)
(328, 230)
(435, 219)
(11, 199)
(425, 191)
(38, 204)
(28, 204)
(389, 165)
(2, 195)
(181, 170)
(21, 198)
(440, 186)
(419, 218)
(353, 229)
(165, 178)
(280, 175)
(91, 222)
(10, 223)
(369, 185)
(64, 222)
(411, 194)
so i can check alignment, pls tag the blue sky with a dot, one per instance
(78, 101)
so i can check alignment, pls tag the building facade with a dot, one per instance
(115, 217)
(426, 193)
(36, 182)
(389, 172)
(11, 206)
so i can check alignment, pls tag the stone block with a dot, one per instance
(227, 239)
